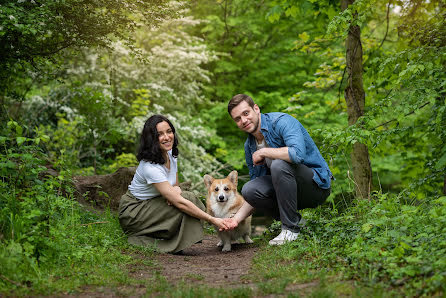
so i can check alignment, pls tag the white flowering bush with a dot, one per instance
(112, 92)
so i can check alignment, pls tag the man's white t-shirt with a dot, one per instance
(148, 173)
(261, 145)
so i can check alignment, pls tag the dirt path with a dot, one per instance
(201, 264)
(204, 263)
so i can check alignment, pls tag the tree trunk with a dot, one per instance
(355, 99)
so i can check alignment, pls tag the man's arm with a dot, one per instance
(245, 211)
(291, 131)
(259, 156)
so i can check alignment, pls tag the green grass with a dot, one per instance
(90, 250)
(384, 246)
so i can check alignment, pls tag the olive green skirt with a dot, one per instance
(154, 223)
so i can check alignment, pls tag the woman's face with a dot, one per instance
(165, 136)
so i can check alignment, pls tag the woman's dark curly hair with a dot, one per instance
(149, 146)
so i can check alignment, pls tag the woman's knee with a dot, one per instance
(188, 195)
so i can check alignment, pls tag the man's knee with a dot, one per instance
(248, 192)
(280, 167)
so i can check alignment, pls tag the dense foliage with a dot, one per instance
(46, 236)
(385, 242)
(79, 78)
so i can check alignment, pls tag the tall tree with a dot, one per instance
(33, 34)
(355, 99)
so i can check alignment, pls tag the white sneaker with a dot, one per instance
(283, 237)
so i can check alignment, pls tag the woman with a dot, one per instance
(155, 211)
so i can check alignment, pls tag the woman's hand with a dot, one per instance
(219, 223)
(231, 223)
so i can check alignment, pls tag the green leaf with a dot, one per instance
(45, 138)
(441, 162)
(292, 11)
(405, 245)
(441, 200)
(367, 227)
(18, 130)
(8, 164)
(331, 12)
(20, 140)
(304, 36)
(274, 14)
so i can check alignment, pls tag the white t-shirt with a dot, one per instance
(148, 173)
(261, 145)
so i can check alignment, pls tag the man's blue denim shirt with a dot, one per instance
(283, 130)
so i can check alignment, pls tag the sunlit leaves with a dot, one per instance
(274, 13)
(33, 33)
(304, 37)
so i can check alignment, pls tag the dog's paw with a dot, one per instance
(248, 240)
(226, 248)
(220, 243)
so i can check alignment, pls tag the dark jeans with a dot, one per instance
(289, 188)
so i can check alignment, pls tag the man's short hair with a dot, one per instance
(237, 99)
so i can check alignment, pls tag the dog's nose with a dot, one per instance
(221, 198)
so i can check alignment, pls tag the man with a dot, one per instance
(287, 171)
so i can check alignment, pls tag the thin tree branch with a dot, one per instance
(10, 281)
(340, 85)
(91, 223)
(225, 19)
(94, 223)
(410, 113)
(387, 28)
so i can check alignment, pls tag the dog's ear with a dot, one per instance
(208, 179)
(233, 177)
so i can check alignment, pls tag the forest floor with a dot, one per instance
(203, 264)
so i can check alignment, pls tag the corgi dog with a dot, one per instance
(222, 201)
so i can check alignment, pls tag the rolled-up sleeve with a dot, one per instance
(290, 130)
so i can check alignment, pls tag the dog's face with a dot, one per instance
(221, 190)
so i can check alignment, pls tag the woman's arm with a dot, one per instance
(175, 198)
(176, 186)
(177, 183)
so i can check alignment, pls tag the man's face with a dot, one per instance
(246, 118)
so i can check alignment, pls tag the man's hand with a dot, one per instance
(231, 223)
(220, 223)
(258, 158)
